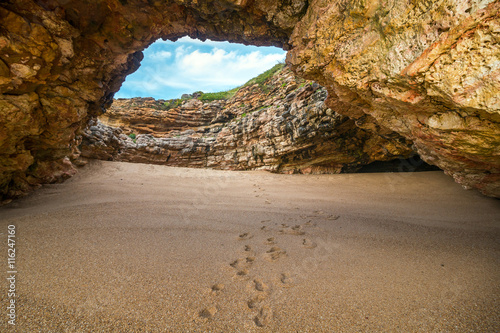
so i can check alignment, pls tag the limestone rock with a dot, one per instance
(281, 125)
(62, 61)
(147, 115)
(427, 70)
(423, 70)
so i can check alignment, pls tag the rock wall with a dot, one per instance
(428, 70)
(282, 125)
(150, 116)
(425, 70)
(61, 61)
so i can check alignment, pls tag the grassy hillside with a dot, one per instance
(260, 80)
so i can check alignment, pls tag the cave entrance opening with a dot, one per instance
(170, 69)
(411, 164)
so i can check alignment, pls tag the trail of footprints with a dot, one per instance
(260, 290)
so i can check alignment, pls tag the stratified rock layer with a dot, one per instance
(282, 125)
(427, 70)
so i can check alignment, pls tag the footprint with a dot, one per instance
(256, 300)
(271, 241)
(308, 244)
(297, 233)
(218, 287)
(286, 278)
(333, 217)
(264, 317)
(240, 264)
(208, 312)
(237, 263)
(274, 253)
(268, 202)
(264, 228)
(245, 236)
(296, 230)
(248, 248)
(259, 284)
(310, 224)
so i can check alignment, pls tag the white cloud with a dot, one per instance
(220, 67)
(159, 55)
(194, 65)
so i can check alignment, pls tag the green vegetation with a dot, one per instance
(225, 95)
(260, 79)
(133, 137)
(172, 103)
(207, 97)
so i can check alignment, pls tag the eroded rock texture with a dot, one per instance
(62, 61)
(282, 125)
(425, 70)
(428, 70)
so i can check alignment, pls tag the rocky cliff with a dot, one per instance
(280, 124)
(428, 70)
(423, 70)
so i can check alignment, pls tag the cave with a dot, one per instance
(101, 245)
(274, 121)
(62, 62)
(411, 164)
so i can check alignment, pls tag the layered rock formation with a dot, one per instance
(150, 116)
(426, 70)
(62, 61)
(281, 124)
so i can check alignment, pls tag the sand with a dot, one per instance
(141, 248)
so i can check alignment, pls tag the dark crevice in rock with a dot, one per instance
(412, 164)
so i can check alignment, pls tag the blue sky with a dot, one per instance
(170, 69)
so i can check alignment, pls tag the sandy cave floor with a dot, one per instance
(140, 248)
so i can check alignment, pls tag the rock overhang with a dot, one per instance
(398, 68)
